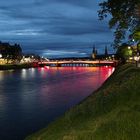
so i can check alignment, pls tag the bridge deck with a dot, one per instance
(78, 63)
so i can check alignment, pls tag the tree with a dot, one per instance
(11, 52)
(125, 17)
(136, 34)
(124, 52)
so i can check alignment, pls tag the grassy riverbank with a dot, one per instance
(111, 113)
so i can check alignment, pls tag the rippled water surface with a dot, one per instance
(31, 98)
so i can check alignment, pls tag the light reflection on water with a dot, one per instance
(31, 98)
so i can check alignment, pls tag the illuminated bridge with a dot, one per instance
(81, 63)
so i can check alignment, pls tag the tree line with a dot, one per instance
(10, 52)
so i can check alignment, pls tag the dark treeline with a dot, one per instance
(124, 19)
(10, 52)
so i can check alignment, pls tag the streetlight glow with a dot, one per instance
(0, 55)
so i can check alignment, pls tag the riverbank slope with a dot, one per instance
(111, 113)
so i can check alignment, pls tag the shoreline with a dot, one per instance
(97, 116)
(18, 66)
(32, 65)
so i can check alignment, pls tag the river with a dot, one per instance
(32, 98)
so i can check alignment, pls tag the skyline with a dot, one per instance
(54, 27)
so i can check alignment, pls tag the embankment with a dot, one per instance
(18, 66)
(111, 113)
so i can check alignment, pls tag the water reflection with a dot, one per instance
(31, 98)
(32, 72)
(1, 75)
(24, 73)
(2, 102)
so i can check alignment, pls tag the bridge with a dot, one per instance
(81, 63)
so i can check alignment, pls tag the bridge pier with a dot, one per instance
(58, 65)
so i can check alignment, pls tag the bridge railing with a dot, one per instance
(79, 63)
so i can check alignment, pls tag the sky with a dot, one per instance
(54, 28)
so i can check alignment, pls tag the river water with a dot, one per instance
(32, 98)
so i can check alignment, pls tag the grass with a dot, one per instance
(111, 113)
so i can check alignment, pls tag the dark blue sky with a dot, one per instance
(54, 27)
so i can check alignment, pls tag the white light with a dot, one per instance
(136, 58)
(0, 55)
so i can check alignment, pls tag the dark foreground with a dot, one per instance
(112, 113)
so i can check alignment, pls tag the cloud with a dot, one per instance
(51, 22)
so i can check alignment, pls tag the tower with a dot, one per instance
(94, 52)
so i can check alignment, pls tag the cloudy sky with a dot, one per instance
(54, 28)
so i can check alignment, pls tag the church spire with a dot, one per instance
(94, 52)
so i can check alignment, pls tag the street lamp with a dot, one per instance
(136, 58)
(0, 55)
